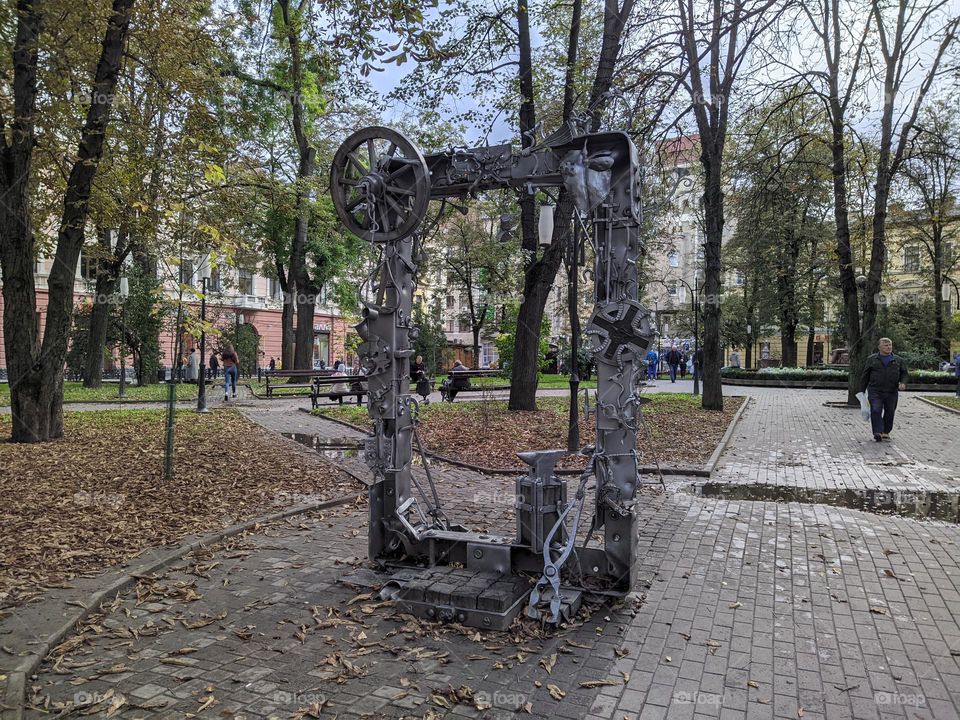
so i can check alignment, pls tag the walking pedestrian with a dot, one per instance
(735, 359)
(956, 370)
(683, 365)
(884, 375)
(231, 371)
(673, 361)
(698, 363)
(214, 366)
(273, 364)
(193, 366)
(652, 359)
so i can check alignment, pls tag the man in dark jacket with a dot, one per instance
(884, 375)
(673, 361)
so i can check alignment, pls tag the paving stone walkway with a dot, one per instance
(743, 609)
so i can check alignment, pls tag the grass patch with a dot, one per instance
(76, 392)
(950, 402)
(485, 433)
(97, 496)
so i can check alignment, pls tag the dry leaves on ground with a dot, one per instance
(485, 433)
(97, 496)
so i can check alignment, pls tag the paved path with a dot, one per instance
(743, 609)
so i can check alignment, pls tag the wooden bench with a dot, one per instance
(328, 380)
(470, 375)
(301, 378)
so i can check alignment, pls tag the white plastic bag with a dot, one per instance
(864, 405)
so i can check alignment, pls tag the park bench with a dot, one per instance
(357, 385)
(289, 379)
(471, 375)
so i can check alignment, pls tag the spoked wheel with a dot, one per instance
(380, 184)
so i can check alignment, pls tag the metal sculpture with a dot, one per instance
(381, 186)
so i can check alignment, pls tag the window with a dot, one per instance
(464, 300)
(215, 283)
(38, 266)
(673, 290)
(276, 292)
(246, 282)
(911, 258)
(88, 266)
(947, 253)
(186, 270)
(451, 327)
(741, 279)
(464, 325)
(451, 301)
(674, 259)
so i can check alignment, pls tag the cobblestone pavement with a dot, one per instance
(743, 609)
(790, 438)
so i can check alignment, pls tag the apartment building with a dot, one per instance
(234, 297)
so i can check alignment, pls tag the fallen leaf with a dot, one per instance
(548, 662)
(556, 693)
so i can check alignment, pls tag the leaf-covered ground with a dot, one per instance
(76, 392)
(98, 497)
(487, 434)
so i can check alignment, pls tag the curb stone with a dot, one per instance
(938, 405)
(15, 695)
(725, 440)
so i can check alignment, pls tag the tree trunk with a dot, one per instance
(306, 305)
(37, 373)
(787, 297)
(848, 284)
(108, 274)
(97, 333)
(713, 215)
(298, 277)
(286, 319)
(20, 325)
(537, 285)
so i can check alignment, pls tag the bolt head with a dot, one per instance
(478, 553)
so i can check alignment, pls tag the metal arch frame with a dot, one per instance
(382, 197)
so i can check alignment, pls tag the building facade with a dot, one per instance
(234, 297)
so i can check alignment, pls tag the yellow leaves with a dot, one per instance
(548, 661)
(555, 692)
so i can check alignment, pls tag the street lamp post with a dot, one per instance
(124, 294)
(202, 386)
(695, 307)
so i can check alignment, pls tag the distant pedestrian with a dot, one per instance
(231, 370)
(193, 365)
(214, 366)
(884, 375)
(683, 365)
(956, 371)
(735, 359)
(339, 365)
(653, 358)
(698, 363)
(273, 364)
(673, 361)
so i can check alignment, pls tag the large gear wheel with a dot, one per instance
(380, 185)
